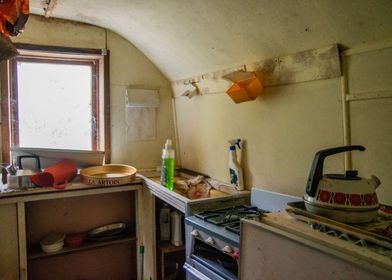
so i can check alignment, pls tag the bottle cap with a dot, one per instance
(168, 144)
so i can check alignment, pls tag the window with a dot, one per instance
(55, 98)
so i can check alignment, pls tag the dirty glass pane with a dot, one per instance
(54, 105)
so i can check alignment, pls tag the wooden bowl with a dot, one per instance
(108, 175)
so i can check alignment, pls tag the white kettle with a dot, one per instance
(342, 197)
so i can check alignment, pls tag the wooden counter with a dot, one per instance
(74, 188)
(288, 248)
(217, 199)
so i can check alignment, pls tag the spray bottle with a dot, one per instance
(236, 177)
(167, 172)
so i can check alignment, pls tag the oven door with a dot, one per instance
(211, 262)
(198, 271)
(194, 274)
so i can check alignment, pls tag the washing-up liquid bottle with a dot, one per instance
(236, 177)
(167, 171)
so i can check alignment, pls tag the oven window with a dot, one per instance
(215, 260)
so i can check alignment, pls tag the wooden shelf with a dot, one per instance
(35, 251)
(171, 260)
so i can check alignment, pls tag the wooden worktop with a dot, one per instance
(72, 189)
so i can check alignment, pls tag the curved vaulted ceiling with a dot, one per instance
(190, 37)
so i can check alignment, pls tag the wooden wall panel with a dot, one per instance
(370, 115)
(9, 258)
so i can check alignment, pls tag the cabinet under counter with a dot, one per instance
(34, 213)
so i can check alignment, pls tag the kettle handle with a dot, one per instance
(316, 171)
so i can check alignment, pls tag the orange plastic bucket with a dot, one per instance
(57, 175)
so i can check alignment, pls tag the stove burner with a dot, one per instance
(230, 217)
(235, 227)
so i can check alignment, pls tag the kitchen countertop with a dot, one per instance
(217, 199)
(72, 189)
(283, 224)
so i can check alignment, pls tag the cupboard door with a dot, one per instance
(9, 264)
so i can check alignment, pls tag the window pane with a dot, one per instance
(54, 105)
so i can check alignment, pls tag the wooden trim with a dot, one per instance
(369, 95)
(56, 49)
(72, 190)
(369, 47)
(107, 125)
(13, 110)
(57, 60)
(37, 253)
(22, 241)
(73, 56)
(139, 231)
(346, 120)
(310, 65)
(5, 133)
(95, 124)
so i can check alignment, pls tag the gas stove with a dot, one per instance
(212, 237)
(229, 218)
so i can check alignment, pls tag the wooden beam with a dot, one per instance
(22, 241)
(310, 65)
(369, 95)
(5, 133)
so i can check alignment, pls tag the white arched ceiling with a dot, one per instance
(190, 37)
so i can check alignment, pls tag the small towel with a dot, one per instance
(141, 123)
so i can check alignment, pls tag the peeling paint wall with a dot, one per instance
(286, 125)
(128, 66)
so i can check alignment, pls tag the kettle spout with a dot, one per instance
(375, 180)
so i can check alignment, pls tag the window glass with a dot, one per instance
(55, 105)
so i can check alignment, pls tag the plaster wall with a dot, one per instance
(282, 129)
(285, 126)
(128, 67)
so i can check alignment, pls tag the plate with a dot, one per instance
(107, 237)
(108, 230)
(52, 238)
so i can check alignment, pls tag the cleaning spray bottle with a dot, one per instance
(236, 177)
(167, 171)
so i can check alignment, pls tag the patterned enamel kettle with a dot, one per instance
(342, 197)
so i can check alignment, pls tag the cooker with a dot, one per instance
(212, 237)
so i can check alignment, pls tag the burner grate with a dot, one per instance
(230, 217)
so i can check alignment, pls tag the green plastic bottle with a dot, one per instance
(167, 171)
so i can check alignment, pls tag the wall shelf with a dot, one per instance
(35, 252)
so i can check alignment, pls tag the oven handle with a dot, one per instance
(195, 273)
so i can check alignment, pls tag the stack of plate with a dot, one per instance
(53, 242)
